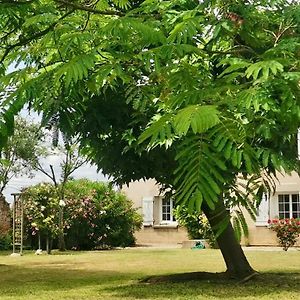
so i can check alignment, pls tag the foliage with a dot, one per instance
(5, 241)
(207, 79)
(5, 237)
(95, 216)
(41, 206)
(196, 224)
(19, 155)
(244, 196)
(287, 231)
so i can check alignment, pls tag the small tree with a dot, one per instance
(71, 160)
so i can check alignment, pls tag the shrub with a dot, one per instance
(196, 224)
(5, 241)
(287, 231)
(41, 207)
(94, 215)
(98, 217)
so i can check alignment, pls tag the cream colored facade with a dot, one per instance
(146, 197)
(160, 228)
(259, 234)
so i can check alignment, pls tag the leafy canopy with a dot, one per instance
(215, 82)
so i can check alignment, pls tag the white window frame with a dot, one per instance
(166, 222)
(290, 202)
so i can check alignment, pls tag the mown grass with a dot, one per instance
(118, 275)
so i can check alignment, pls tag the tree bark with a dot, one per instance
(61, 238)
(236, 262)
(49, 241)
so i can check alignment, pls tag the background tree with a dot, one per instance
(19, 155)
(217, 82)
(71, 160)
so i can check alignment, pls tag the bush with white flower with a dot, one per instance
(41, 205)
(94, 215)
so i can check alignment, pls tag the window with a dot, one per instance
(288, 206)
(167, 211)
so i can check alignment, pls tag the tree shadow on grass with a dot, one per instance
(210, 286)
(20, 280)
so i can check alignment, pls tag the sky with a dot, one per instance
(16, 184)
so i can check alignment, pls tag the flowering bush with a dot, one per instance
(41, 207)
(98, 217)
(94, 215)
(287, 231)
(5, 237)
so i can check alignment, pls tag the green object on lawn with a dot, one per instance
(198, 245)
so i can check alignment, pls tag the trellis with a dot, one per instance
(18, 220)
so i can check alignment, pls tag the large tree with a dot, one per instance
(191, 93)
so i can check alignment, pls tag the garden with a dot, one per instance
(201, 96)
(79, 215)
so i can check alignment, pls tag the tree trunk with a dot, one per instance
(234, 257)
(39, 237)
(49, 244)
(61, 238)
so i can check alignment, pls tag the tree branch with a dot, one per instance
(11, 2)
(231, 51)
(41, 169)
(53, 175)
(33, 37)
(101, 12)
(90, 9)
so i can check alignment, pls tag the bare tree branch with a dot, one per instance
(41, 169)
(53, 175)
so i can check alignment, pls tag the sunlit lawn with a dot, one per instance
(117, 275)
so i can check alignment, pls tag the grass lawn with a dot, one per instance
(117, 275)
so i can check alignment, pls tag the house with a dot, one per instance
(160, 226)
(284, 203)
